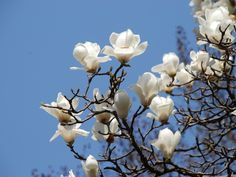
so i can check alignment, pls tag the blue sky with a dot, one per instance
(36, 42)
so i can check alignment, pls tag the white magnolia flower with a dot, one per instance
(60, 108)
(214, 20)
(87, 54)
(69, 132)
(162, 108)
(104, 131)
(200, 61)
(167, 142)
(90, 166)
(103, 117)
(184, 75)
(71, 174)
(169, 66)
(164, 81)
(147, 87)
(122, 104)
(125, 46)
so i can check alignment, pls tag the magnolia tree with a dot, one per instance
(185, 121)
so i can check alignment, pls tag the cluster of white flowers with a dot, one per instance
(60, 111)
(213, 18)
(108, 110)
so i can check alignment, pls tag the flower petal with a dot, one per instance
(113, 38)
(81, 132)
(158, 68)
(103, 59)
(56, 134)
(108, 50)
(140, 49)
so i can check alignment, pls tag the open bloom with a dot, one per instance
(125, 46)
(122, 104)
(167, 142)
(71, 174)
(87, 54)
(215, 20)
(200, 61)
(105, 116)
(184, 76)
(106, 131)
(146, 87)
(169, 66)
(90, 166)
(162, 108)
(59, 109)
(69, 132)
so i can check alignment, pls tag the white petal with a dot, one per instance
(140, 49)
(234, 112)
(108, 50)
(91, 163)
(113, 38)
(62, 101)
(52, 111)
(99, 127)
(76, 68)
(80, 52)
(136, 41)
(125, 39)
(158, 68)
(103, 59)
(176, 140)
(151, 115)
(114, 126)
(82, 132)
(139, 92)
(75, 102)
(56, 134)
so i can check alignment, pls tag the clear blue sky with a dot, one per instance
(36, 42)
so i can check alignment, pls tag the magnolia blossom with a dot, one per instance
(103, 117)
(106, 131)
(216, 19)
(185, 76)
(122, 104)
(71, 174)
(125, 46)
(200, 61)
(147, 87)
(60, 108)
(169, 66)
(87, 55)
(90, 166)
(162, 108)
(167, 142)
(164, 83)
(69, 132)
